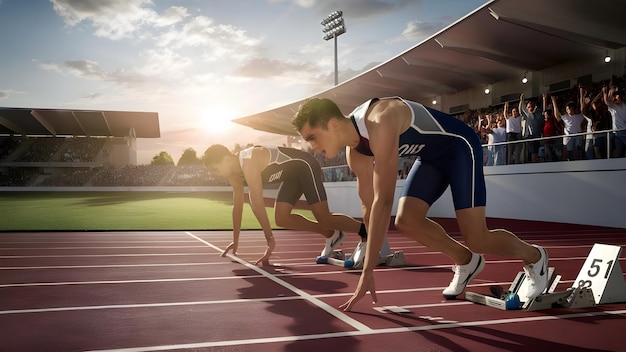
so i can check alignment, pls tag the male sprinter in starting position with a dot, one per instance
(377, 133)
(298, 173)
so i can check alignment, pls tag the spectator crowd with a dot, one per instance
(585, 122)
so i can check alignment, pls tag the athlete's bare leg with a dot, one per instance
(473, 225)
(411, 220)
(326, 222)
(335, 221)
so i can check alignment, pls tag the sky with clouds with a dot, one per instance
(198, 63)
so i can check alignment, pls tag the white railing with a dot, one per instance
(343, 173)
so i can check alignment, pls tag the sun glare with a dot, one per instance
(217, 120)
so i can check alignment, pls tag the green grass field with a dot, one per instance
(83, 211)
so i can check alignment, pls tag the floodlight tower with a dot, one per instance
(333, 26)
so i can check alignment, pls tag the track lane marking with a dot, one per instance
(104, 266)
(167, 304)
(306, 296)
(371, 332)
(145, 305)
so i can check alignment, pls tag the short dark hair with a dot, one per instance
(317, 112)
(214, 154)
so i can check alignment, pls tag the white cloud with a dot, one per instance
(85, 68)
(92, 70)
(196, 32)
(113, 19)
(164, 63)
(5, 93)
(305, 3)
(416, 31)
(217, 41)
(161, 70)
(93, 96)
(171, 16)
(48, 66)
(117, 19)
(310, 49)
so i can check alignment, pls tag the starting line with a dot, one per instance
(599, 281)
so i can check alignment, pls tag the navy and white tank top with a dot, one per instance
(431, 133)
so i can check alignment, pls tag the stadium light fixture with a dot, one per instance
(332, 27)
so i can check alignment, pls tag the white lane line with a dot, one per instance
(191, 303)
(405, 309)
(144, 305)
(96, 241)
(371, 332)
(105, 266)
(109, 282)
(102, 282)
(90, 247)
(313, 300)
(103, 255)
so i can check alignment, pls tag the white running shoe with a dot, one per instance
(332, 242)
(359, 254)
(463, 274)
(537, 275)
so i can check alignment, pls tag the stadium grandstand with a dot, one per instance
(57, 148)
(555, 44)
(51, 147)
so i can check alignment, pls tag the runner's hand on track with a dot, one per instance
(366, 283)
(265, 259)
(232, 246)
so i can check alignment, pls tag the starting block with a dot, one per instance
(337, 258)
(603, 274)
(356, 259)
(388, 258)
(599, 281)
(514, 298)
(385, 257)
(393, 260)
(571, 298)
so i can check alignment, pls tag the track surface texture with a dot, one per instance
(172, 291)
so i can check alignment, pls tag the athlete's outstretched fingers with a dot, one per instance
(230, 246)
(366, 283)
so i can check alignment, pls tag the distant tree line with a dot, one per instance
(189, 157)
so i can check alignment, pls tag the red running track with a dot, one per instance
(157, 291)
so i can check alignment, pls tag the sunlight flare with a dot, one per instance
(217, 119)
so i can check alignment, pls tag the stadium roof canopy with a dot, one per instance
(58, 122)
(500, 40)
